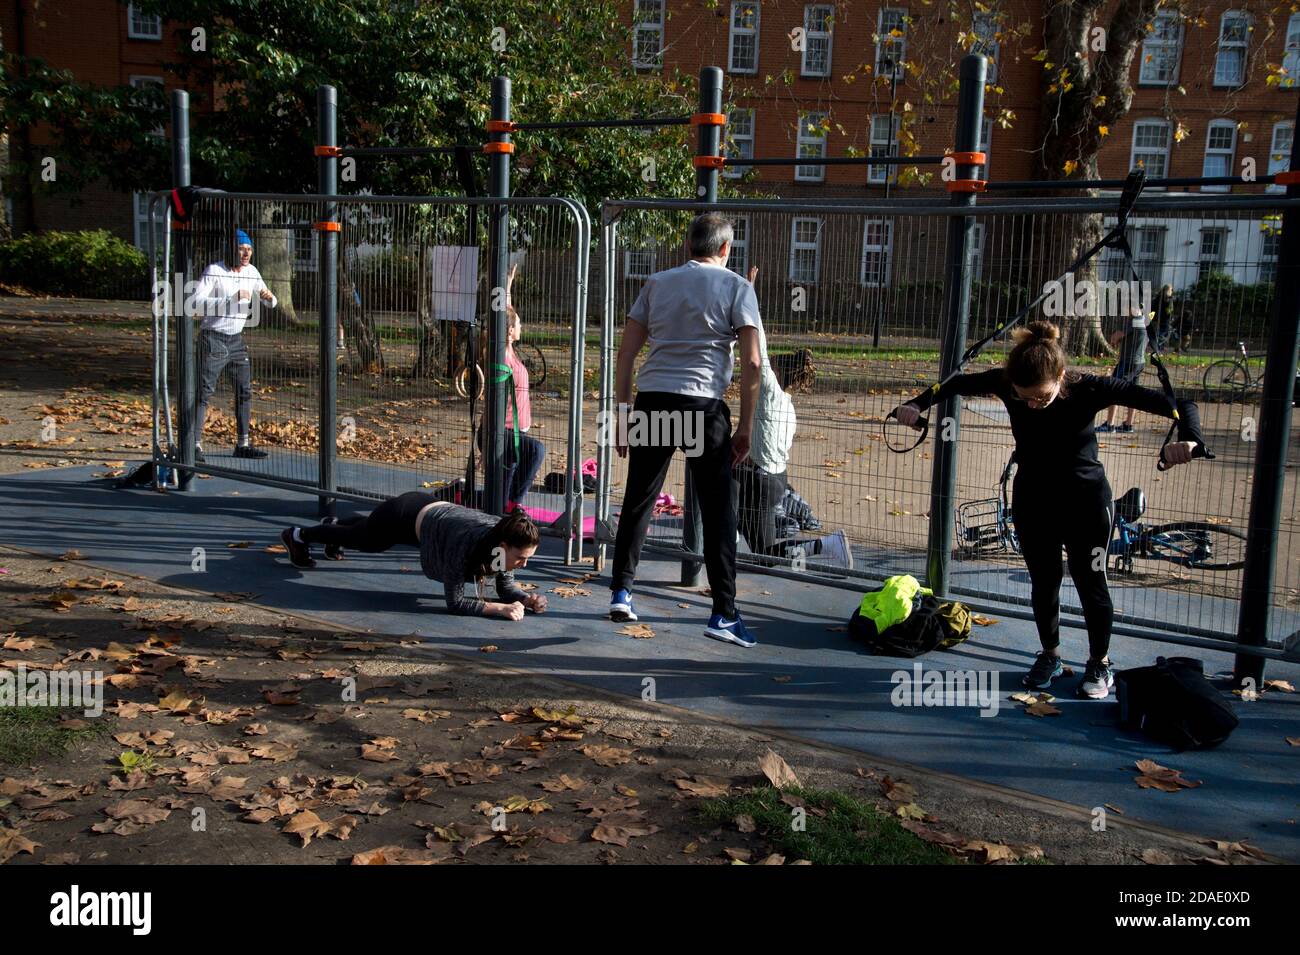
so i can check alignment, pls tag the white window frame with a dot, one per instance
(1215, 261)
(741, 231)
(806, 140)
(1228, 153)
(139, 81)
(640, 271)
(1148, 243)
(1291, 53)
(883, 249)
(300, 242)
(739, 145)
(140, 220)
(814, 23)
(984, 25)
(977, 232)
(646, 27)
(1159, 45)
(1279, 160)
(1150, 123)
(883, 147)
(797, 246)
(888, 47)
(734, 32)
(1271, 229)
(142, 26)
(1232, 46)
(985, 144)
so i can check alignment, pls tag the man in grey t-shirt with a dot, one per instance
(692, 316)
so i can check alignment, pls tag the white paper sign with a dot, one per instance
(454, 272)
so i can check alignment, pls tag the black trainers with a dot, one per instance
(1097, 680)
(1045, 669)
(332, 551)
(248, 451)
(299, 553)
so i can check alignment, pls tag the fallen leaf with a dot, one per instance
(777, 771)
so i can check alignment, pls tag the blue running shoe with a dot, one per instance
(620, 607)
(1046, 668)
(732, 631)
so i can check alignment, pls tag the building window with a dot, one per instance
(986, 143)
(805, 250)
(1210, 258)
(140, 214)
(818, 21)
(1291, 54)
(891, 42)
(1230, 61)
(977, 251)
(1162, 50)
(1279, 153)
(812, 143)
(1220, 143)
(884, 143)
(877, 242)
(140, 82)
(740, 141)
(744, 37)
(1148, 243)
(1151, 147)
(648, 34)
(306, 254)
(1272, 244)
(639, 263)
(985, 28)
(142, 26)
(739, 260)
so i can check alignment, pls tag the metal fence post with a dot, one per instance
(327, 165)
(185, 390)
(706, 188)
(494, 490)
(943, 480)
(1273, 437)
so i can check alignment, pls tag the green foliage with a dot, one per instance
(85, 264)
(1223, 312)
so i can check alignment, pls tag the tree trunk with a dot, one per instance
(362, 338)
(275, 261)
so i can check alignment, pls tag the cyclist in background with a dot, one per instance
(1061, 495)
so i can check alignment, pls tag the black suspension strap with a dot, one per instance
(1114, 239)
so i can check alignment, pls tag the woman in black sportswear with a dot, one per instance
(1061, 495)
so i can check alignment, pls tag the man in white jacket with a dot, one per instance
(224, 300)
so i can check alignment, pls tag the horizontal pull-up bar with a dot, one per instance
(507, 126)
(402, 150)
(1059, 184)
(837, 161)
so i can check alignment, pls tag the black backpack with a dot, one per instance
(1174, 703)
(932, 623)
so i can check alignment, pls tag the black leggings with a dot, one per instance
(389, 524)
(1083, 526)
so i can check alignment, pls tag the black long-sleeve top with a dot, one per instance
(1058, 442)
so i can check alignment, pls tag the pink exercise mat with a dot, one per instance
(542, 516)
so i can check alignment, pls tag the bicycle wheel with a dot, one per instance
(1196, 544)
(1226, 379)
(462, 381)
(534, 361)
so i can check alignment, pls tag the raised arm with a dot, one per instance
(980, 383)
(1111, 391)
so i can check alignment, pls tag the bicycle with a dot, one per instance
(1230, 375)
(988, 527)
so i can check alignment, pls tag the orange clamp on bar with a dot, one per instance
(969, 159)
(178, 226)
(334, 151)
(708, 162)
(709, 119)
(1287, 178)
(501, 126)
(498, 147)
(327, 226)
(966, 185)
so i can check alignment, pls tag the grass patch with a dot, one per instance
(32, 733)
(852, 832)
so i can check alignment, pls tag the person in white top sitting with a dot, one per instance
(224, 300)
(761, 478)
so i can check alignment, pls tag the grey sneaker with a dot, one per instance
(1097, 680)
(1045, 669)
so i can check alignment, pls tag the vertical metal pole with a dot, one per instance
(1273, 437)
(186, 393)
(706, 188)
(327, 176)
(494, 490)
(947, 414)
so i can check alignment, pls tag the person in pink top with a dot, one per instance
(522, 468)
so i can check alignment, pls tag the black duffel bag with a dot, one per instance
(1174, 703)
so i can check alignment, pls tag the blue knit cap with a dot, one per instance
(241, 238)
